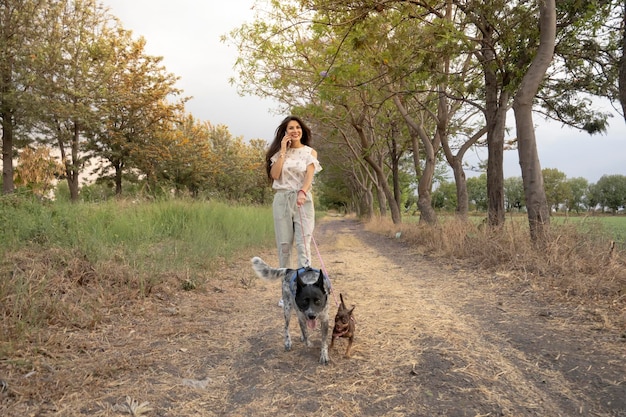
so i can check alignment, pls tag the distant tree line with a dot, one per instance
(564, 194)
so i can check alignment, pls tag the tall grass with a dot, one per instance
(66, 263)
(578, 262)
(165, 234)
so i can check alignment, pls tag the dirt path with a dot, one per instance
(431, 340)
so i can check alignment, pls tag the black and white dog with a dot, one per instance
(306, 290)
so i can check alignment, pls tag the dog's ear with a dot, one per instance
(299, 282)
(343, 305)
(321, 282)
(351, 310)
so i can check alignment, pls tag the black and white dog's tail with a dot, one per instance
(264, 271)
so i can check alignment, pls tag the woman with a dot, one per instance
(291, 164)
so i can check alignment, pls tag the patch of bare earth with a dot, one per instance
(432, 339)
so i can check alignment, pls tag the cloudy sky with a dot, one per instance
(186, 33)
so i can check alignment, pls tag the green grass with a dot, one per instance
(150, 236)
(66, 264)
(614, 226)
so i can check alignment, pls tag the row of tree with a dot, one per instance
(391, 84)
(74, 83)
(198, 160)
(394, 88)
(563, 194)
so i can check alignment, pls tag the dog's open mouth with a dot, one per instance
(311, 323)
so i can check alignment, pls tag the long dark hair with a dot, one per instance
(280, 134)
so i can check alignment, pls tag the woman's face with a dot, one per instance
(294, 131)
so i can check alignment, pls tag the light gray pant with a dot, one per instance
(293, 224)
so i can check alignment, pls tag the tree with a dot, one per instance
(405, 48)
(38, 170)
(536, 204)
(347, 181)
(137, 110)
(233, 162)
(186, 158)
(556, 187)
(71, 85)
(579, 187)
(477, 192)
(610, 190)
(20, 37)
(514, 193)
(444, 197)
(622, 66)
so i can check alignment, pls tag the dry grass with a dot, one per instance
(575, 266)
(60, 287)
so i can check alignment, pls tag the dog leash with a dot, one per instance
(319, 256)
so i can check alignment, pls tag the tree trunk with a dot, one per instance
(495, 116)
(366, 203)
(118, 178)
(395, 170)
(622, 66)
(495, 169)
(495, 121)
(380, 194)
(424, 186)
(381, 179)
(536, 203)
(460, 181)
(6, 115)
(7, 153)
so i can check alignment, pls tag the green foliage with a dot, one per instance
(21, 218)
(610, 191)
(444, 197)
(557, 189)
(92, 90)
(578, 187)
(62, 261)
(514, 197)
(477, 191)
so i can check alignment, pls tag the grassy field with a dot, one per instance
(613, 225)
(66, 263)
(149, 236)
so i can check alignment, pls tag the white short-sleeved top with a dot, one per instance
(294, 168)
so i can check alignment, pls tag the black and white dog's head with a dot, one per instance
(311, 294)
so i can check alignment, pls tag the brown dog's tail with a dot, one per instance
(264, 271)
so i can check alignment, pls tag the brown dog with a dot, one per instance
(344, 325)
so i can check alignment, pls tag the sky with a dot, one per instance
(187, 33)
